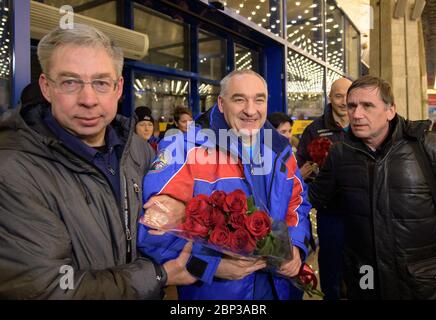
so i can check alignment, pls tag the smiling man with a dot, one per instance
(241, 111)
(70, 171)
(383, 173)
(243, 102)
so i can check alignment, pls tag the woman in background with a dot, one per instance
(283, 124)
(145, 126)
(182, 118)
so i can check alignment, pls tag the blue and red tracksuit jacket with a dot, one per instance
(285, 199)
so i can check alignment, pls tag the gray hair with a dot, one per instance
(225, 81)
(80, 35)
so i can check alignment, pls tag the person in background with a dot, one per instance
(332, 125)
(182, 118)
(283, 124)
(145, 126)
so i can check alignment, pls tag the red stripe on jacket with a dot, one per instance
(203, 164)
(297, 189)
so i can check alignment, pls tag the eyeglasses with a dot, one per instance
(75, 85)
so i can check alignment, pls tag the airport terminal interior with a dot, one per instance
(177, 51)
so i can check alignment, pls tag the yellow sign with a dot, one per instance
(162, 126)
(299, 126)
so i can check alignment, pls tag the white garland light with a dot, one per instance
(5, 56)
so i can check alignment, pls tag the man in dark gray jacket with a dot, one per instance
(70, 171)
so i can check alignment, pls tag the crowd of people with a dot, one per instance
(75, 177)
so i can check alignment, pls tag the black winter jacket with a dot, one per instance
(390, 214)
(58, 210)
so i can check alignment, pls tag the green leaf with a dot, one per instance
(251, 206)
(265, 246)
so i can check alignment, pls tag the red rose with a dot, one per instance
(318, 149)
(217, 217)
(193, 228)
(307, 277)
(258, 224)
(199, 209)
(217, 199)
(220, 236)
(236, 201)
(237, 219)
(241, 241)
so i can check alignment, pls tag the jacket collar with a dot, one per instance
(32, 135)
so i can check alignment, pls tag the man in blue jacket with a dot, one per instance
(261, 167)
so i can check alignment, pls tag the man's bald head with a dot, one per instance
(339, 84)
(338, 97)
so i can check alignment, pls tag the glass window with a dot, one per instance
(211, 55)
(5, 56)
(304, 28)
(168, 39)
(246, 58)
(334, 35)
(160, 94)
(265, 13)
(104, 11)
(208, 95)
(352, 45)
(305, 93)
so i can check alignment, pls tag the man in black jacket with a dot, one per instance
(331, 125)
(390, 215)
(70, 171)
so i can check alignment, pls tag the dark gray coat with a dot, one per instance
(57, 209)
(390, 214)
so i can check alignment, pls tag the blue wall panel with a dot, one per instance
(275, 77)
(21, 48)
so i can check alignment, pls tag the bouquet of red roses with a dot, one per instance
(228, 223)
(232, 224)
(318, 149)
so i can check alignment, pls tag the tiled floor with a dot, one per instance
(312, 260)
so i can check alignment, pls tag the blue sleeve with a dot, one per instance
(171, 175)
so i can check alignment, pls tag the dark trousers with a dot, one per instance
(330, 256)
